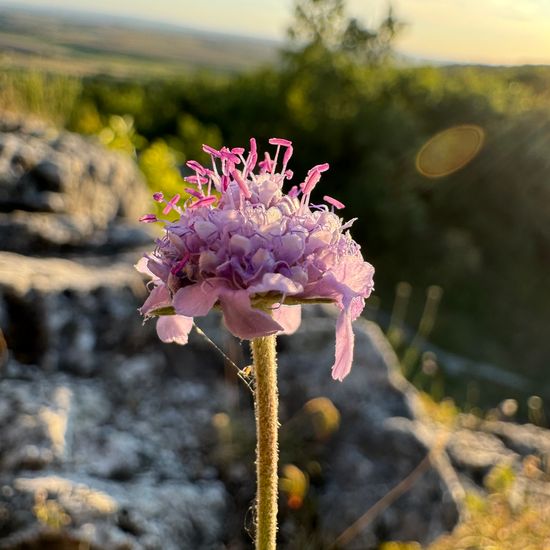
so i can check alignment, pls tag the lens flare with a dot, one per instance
(449, 150)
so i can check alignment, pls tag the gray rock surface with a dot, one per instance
(61, 191)
(376, 446)
(120, 468)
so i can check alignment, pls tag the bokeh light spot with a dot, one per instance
(449, 150)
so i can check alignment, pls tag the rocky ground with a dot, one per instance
(111, 440)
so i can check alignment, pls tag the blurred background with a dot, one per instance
(433, 114)
(460, 235)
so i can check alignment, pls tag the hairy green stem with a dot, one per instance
(266, 405)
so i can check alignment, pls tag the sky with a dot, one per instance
(469, 31)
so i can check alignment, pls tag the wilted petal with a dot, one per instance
(174, 328)
(344, 346)
(242, 319)
(275, 282)
(289, 317)
(356, 274)
(198, 299)
(159, 297)
(141, 266)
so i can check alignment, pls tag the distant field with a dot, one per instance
(65, 44)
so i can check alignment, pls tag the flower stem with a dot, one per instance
(267, 450)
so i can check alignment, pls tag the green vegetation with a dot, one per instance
(481, 234)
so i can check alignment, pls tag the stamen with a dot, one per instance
(280, 141)
(241, 183)
(311, 181)
(211, 151)
(228, 155)
(225, 182)
(197, 180)
(197, 167)
(148, 218)
(274, 165)
(158, 197)
(266, 164)
(194, 192)
(206, 201)
(250, 163)
(171, 204)
(227, 167)
(319, 168)
(178, 266)
(334, 202)
(286, 157)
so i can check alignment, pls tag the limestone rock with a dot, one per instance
(61, 191)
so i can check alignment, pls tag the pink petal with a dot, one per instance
(275, 282)
(289, 317)
(142, 267)
(344, 346)
(198, 299)
(356, 274)
(159, 297)
(174, 328)
(242, 319)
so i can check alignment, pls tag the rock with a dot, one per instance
(108, 515)
(377, 445)
(61, 191)
(66, 314)
(115, 470)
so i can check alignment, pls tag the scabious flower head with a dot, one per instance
(243, 245)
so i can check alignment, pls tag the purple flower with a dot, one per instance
(244, 246)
